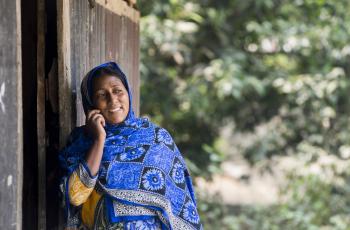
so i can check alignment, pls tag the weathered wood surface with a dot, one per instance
(10, 116)
(41, 130)
(88, 36)
(64, 69)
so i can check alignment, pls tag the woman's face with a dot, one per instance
(111, 98)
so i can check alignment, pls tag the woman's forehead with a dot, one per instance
(106, 81)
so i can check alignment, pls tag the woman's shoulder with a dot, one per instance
(145, 122)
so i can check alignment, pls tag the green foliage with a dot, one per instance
(214, 61)
(279, 64)
(308, 202)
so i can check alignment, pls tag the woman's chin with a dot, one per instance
(115, 117)
(115, 121)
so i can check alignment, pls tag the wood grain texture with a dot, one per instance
(41, 131)
(106, 32)
(11, 142)
(64, 70)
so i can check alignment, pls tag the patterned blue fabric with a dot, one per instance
(142, 171)
(150, 224)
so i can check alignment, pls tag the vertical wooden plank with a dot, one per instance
(102, 33)
(127, 63)
(41, 131)
(92, 41)
(11, 142)
(117, 36)
(64, 70)
(84, 58)
(130, 56)
(136, 60)
(19, 153)
(123, 44)
(80, 27)
(85, 32)
(110, 49)
(77, 52)
(96, 36)
(131, 63)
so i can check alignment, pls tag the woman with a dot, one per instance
(123, 172)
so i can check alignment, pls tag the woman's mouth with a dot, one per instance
(118, 109)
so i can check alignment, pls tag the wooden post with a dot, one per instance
(64, 69)
(41, 131)
(11, 141)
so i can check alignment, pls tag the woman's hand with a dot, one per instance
(94, 124)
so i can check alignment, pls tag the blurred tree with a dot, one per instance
(206, 62)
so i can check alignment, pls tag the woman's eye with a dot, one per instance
(101, 95)
(117, 91)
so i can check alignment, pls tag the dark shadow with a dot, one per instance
(29, 91)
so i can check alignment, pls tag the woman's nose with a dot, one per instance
(112, 97)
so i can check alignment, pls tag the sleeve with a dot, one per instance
(80, 185)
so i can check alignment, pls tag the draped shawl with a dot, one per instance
(142, 172)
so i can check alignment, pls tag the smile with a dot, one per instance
(115, 110)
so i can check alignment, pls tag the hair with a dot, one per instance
(108, 71)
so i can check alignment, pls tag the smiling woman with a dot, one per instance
(123, 172)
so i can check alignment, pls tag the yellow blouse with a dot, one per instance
(83, 194)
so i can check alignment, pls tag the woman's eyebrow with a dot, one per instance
(99, 90)
(113, 86)
(116, 84)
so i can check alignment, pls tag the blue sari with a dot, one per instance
(142, 175)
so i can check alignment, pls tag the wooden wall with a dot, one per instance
(89, 35)
(10, 115)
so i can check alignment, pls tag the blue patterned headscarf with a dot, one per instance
(142, 172)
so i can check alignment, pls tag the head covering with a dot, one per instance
(142, 172)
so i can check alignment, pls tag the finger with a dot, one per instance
(100, 120)
(89, 115)
(92, 113)
(95, 117)
(103, 122)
